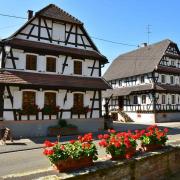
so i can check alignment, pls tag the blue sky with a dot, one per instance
(116, 20)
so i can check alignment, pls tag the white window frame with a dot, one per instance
(46, 56)
(36, 62)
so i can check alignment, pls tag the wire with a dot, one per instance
(7, 15)
(5, 27)
(124, 44)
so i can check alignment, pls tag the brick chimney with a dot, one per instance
(30, 14)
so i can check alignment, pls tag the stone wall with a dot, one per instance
(149, 166)
(40, 127)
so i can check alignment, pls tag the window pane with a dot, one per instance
(51, 64)
(28, 98)
(31, 62)
(135, 100)
(77, 67)
(143, 99)
(163, 99)
(50, 98)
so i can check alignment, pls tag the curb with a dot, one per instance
(17, 150)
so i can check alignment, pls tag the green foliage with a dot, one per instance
(62, 123)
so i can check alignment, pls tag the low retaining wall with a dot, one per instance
(149, 166)
(36, 128)
(168, 117)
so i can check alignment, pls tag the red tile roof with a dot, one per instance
(50, 81)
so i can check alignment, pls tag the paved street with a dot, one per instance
(30, 160)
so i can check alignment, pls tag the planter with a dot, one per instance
(130, 151)
(73, 164)
(65, 131)
(151, 147)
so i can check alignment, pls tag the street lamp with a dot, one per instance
(7, 49)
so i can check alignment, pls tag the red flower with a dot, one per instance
(117, 144)
(62, 147)
(106, 136)
(128, 156)
(103, 143)
(86, 145)
(72, 141)
(111, 131)
(100, 136)
(48, 143)
(142, 132)
(48, 152)
(166, 130)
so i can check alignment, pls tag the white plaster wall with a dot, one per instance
(168, 117)
(17, 95)
(142, 117)
(57, 33)
(41, 64)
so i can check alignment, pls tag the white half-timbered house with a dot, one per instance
(146, 84)
(50, 69)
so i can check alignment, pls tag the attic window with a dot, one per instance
(58, 32)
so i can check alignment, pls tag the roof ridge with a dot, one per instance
(145, 47)
(55, 6)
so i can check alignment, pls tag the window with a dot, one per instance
(143, 99)
(77, 67)
(50, 98)
(31, 62)
(120, 83)
(172, 79)
(172, 63)
(163, 99)
(142, 79)
(51, 64)
(173, 99)
(29, 98)
(58, 32)
(78, 100)
(135, 100)
(163, 78)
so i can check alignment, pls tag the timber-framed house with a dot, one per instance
(50, 69)
(146, 84)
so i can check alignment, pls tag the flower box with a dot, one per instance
(73, 164)
(80, 110)
(73, 155)
(153, 138)
(129, 152)
(50, 110)
(151, 147)
(63, 131)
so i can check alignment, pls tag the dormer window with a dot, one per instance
(50, 64)
(78, 67)
(31, 62)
